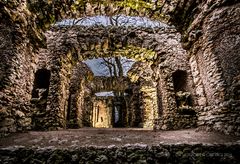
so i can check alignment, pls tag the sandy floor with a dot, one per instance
(112, 137)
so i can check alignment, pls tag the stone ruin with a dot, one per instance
(184, 76)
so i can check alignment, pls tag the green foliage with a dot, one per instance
(135, 4)
(138, 53)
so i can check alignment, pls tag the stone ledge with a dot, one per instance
(136, 153)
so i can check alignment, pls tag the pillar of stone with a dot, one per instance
(149, 105)
(57, 103)
(16, 79)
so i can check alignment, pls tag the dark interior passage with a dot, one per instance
(41, 83)
(39, 97)
(180, 80)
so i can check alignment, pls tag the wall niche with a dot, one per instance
(41, 84)
(183, 96)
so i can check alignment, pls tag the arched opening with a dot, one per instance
(131, 102)
(109, 110)
(110, 57)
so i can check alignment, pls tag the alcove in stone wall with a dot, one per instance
(41, 84)
(180, 87)
(39, 97)
(180, 80)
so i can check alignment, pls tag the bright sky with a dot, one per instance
(99, 68)
(119, 20)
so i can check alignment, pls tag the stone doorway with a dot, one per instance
(109, 112)
(39, 97)
(119, 112)
(101, 115)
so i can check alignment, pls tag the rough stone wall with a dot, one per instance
(134, 113)
(61, 64)
(87, 113)
(101, 83)
(7, 53)
(76, 106)
(215, 58)
(39, 113)
(80, 77)
(141, 75)
(57, 103)
(170, 59)
(17, 60)
(149, 98)
(90, 42)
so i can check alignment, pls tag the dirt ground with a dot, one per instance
(73, 138)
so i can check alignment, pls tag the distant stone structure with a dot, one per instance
(184, 76)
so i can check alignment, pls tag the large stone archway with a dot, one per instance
(159, 47)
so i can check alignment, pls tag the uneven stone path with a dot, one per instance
(112, 137)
